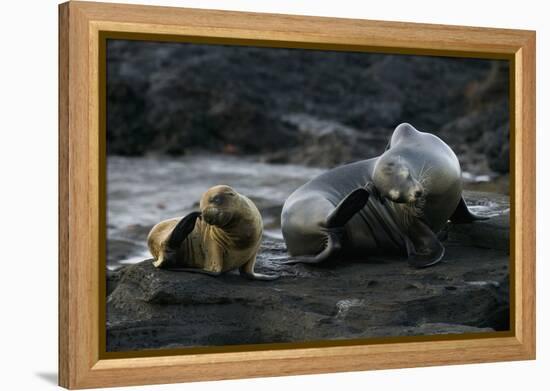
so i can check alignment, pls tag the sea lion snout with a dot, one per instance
(209, 215)
(416, 192)
(405, 192)
(216, 216)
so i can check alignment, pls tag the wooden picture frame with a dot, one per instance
(82, 29)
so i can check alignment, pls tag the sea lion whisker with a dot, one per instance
(422, 170)
(423, 178)
(427, 171)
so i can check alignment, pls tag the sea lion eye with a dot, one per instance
(217, 199)
(387, 169)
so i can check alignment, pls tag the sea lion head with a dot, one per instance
(395, 180)
(219, 205)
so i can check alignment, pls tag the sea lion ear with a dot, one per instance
(423, 247)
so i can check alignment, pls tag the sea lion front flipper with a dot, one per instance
(462, 214)
(347, 208)
(423, 247)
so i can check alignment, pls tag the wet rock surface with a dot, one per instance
(468, 292)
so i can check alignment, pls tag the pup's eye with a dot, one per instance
(217, 199)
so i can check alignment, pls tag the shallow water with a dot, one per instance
(142, 191)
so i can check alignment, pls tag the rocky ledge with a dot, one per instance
(467, 292)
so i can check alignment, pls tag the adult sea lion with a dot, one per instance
(394, 203)
(223, 236)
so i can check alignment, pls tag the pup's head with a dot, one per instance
(219, 205)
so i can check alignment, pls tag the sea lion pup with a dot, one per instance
(223, 236)
(394, 203)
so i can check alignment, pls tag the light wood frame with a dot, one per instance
(82, 209)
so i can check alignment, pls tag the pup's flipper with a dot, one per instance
(168, 257)
(423, 247)
(258, 276)
(462, 214)
(247, 271)
(193, 270)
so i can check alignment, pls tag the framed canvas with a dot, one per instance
(299, 130)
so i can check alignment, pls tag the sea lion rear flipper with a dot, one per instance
(262, 277)
(462, 214)
(332, 247)
(247, 271)
(258, 276)
(334, 226)
(184, 227)
(423, 247)
(347, 208)
(168, 258)
(194, 270)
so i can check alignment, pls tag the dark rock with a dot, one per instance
(119, 249)
(498, 149)
(467, 292)
(325, 143)
(493, 233)
(176, 98)
(113, 278)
